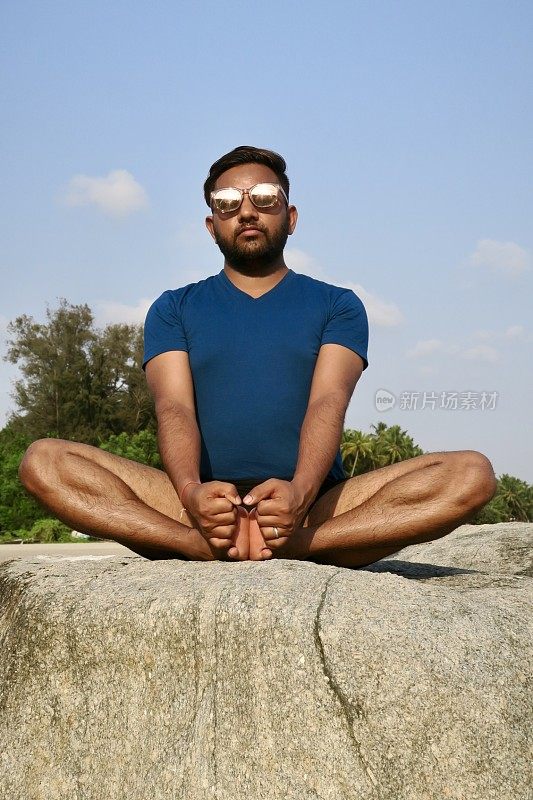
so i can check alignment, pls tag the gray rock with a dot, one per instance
(406, 680)
(503, 549)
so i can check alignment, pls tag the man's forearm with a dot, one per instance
(320, 439)
(179, 443)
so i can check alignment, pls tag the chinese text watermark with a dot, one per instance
(446, 400)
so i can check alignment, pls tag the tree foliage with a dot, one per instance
(17, 508)
(141, 447)
(513, 502)
(78, 382)
(362, 452)
(50, 530)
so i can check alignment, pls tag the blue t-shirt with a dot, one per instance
(252, 362)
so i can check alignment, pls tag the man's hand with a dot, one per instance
(213, 506)
(278, 504)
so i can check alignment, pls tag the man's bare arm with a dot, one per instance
(336, 374)
(211, 504)
(170, 382)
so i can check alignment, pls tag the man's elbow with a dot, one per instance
(334, 403)
(166, 408)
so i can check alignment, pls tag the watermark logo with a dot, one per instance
(384, 400)
(445, 400)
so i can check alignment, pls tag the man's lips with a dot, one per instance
(249, 231)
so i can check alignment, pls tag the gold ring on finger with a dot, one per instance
(276, 532)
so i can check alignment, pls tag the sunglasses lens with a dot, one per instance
(226, 200)
(264, 195)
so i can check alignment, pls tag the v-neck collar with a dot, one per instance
(244, 294)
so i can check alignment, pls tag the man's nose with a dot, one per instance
(247, 209)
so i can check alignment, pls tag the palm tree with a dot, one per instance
(517, 496)
(380, 428)
(356, 445)
(513, 501)
(392, 444)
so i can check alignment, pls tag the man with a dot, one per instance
(252, 371)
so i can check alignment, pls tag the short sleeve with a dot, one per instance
(163, 328)
(348, 324)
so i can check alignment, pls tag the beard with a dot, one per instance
(254, 257)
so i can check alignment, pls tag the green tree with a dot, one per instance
(392, 444)
(517, 496)
(17, 508)
(512, 502)
(386, 445)
(50, 530)
(53, 360)
(78, 382)
(492, 513)
(140, 447)
(357, 452)
(362, 452)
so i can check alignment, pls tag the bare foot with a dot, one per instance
(240, 549)
(258, 548)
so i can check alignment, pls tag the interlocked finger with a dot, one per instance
(270, 521)
(221, 544)
(218, 505)
(220, 532)
(274, 534)
(221, 526)
(222, 520)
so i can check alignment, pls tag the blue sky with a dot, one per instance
(407, 132)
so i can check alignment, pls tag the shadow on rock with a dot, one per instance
(418, 571)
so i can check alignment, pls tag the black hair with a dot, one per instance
(246, 154)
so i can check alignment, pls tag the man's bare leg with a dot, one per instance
(104, 495)
(376, 514)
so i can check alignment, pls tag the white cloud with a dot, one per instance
(117, 194)
(480, 350)
(428, 346)
(484, 335)
(301, 261)
(506, 258)
(425, 347)
(514, 332)
(380, 312)
(481, 353)
(114, 313)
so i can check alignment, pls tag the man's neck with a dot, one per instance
(256, 285)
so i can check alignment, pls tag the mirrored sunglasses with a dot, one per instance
(262, 195)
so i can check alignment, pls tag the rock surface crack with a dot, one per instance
(334, 686)
(215, 697)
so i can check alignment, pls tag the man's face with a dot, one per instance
(251, 239)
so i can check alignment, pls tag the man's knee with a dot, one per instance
(39, 463)
(476, 478)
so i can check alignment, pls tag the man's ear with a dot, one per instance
(210, 226)
(293, 218)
